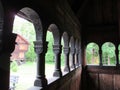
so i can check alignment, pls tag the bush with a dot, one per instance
(14, 66)
(30, 54)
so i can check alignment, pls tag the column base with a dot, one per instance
(77, 64)
(67, 69)
(42, 82)
(57, 74)
(73, 67)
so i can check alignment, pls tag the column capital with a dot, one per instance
(57, 48)
(66, 50)
(38, 47)
(77, 51)
(72, 50)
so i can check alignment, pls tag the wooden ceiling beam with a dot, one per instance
(118, 12)
(100, 27)
(84, 4)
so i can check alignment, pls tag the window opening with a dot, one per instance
(92, 55)
(62, 56)
(118, 53)
(23, 58)
(49, 58)
(108, 54)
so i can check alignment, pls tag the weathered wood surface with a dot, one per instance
(106, 82)
(70, 81)
(102, 78)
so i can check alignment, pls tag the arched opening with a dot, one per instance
(56, 49)
(77, 52)
(108, 54)
(23, 58)
(62, 55)
(49, 58)
(72, 52)
(66, 51)
(119, 53)
(28, 30)
(92, 54)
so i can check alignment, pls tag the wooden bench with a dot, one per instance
(13, 81)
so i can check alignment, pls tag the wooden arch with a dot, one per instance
(77, 43)
(110, 43)
(66, 39)
(56, 35)
(32, 16)
(72, 42)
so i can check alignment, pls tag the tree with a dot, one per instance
(108, 50)
(92, 55)
(49, 54)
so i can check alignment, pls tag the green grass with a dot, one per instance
(27, 74)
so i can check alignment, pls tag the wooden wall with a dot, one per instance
(102, 78)
(70, 81)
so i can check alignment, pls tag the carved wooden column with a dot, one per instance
(100, 56)
(57, 55)
(66, 54)
(40, 50)
(117, 55)
(76, 55)
(72, 53)
(79, 53)
(79, 57)
(83, 55)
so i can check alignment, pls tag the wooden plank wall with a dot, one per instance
(102, 78)
(71, 81)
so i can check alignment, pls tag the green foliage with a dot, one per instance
(14, 66)
(49, 55)
(108, 53)
(26, 30)
(108, 50)
(92, 51)
(30, 54)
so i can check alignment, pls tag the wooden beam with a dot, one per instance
(118, 12)
(98, 27)
(103, 69)
(82, 8)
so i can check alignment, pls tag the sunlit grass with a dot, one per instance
(27, 74)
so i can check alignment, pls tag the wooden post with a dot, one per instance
(117, 55)
(57, 54)
(72, 54)
(66, 54)
(93, 58)
(100, 56)
(40, 81)
(77, 56)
